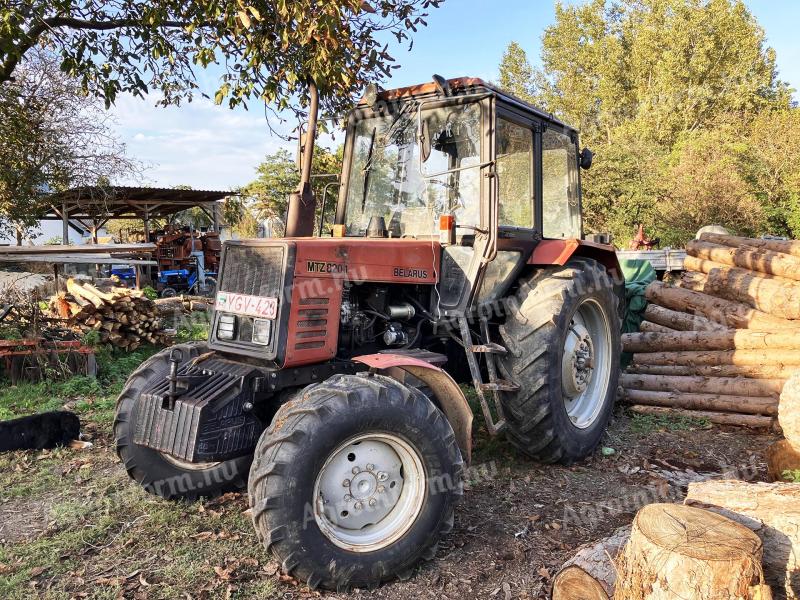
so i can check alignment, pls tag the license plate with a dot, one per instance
(242, 304)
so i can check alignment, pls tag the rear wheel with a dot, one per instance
(564, 350)
(355, 482)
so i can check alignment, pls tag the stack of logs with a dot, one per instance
(730, 539)
(721, 344)
(122, 317)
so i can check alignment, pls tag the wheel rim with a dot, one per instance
(586, 364)
(188, 466)
(369, 492)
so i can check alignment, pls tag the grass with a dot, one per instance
(646, 424)
(73, 523)
(791, 475)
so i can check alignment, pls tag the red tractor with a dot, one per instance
(329, 386)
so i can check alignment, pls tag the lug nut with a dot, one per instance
(381, 489)
(358, 505)
(382, 476)
(370, 466)
(346, 483)
(372, 502)
(356, 470)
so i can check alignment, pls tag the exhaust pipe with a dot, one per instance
(302, 203)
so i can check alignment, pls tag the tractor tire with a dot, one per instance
(159, 473)
(564, 348)
(355, 482)
(169, 292)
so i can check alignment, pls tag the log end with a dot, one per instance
(573, 583)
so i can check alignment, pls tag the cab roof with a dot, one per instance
(461, 86)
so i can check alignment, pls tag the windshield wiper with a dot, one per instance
(367, 169)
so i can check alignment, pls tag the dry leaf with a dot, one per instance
(224, 574)
(544, 574)
(36, 571)
(143, 581)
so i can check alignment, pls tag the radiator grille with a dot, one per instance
(312, 323)
(253, 270)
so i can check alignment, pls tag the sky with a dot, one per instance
(214, 147)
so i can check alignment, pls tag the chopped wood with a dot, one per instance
(678, 551)
(680, 320)
(741, 386)
(785, 246)
(770, 294)
(121, 316)
(751, 371)
(772, 357)
(772, 511)
(653, 327)
(749, 405)
(748, 257)
(591, 573)
(732, 314)
(719, 418)
(745, 339)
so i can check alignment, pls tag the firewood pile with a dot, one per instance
(123, 317)
(729, 539)
(722, 342)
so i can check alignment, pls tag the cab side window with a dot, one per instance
(515, 173)
(560, 200)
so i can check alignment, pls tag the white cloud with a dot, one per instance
(199, 143)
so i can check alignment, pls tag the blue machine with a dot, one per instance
(181, 281)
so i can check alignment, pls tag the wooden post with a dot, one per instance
(215, 216)
(64, 224)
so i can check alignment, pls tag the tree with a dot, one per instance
(277, 177)
(516, 73)
(52, 137)
(656, 87)
(266, 49)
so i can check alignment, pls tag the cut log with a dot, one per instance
(748, 257)
(749, 371)
(733, 314)
(773, 295)
(692, 280)
(772, 511)
(721, 357)
(731, 339)
(653, 327)
(749, 405)
(789, 411)
(781, 457)
(769, 388)
(683, 552)
(591, 573)
(680, 320)
(718, 418)
(784, 246)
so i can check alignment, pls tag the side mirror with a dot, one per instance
(586, 158)
(424, 136)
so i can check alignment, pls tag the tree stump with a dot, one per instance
(682, 552)
(772, 511)
(781, 457)
(591, 573)
(789, 411)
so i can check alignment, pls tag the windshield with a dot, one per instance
(385, 178)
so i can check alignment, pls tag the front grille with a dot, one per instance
(253, 270)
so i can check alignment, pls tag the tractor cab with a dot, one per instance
(461, 162)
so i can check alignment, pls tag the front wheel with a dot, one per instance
(564, 351)
(355, 482)
(157, 472)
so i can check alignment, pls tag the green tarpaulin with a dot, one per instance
(638, 275)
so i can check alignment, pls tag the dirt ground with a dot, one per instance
(73, 526)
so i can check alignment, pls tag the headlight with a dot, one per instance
(262, 328)
(226, 327)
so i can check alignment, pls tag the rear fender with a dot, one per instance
(448, 395)
(559, 252)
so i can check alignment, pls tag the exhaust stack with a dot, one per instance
(302, 203)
